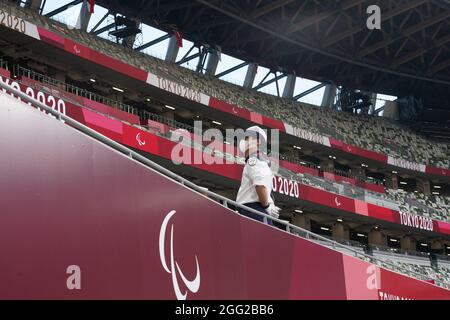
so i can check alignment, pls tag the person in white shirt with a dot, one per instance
(256, 182)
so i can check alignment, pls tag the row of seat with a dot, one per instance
(372, 133)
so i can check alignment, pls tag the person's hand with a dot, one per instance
(273, 210)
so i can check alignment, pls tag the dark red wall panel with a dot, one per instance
(68, 200)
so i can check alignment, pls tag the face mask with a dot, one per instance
(245, 145)
(242, 145)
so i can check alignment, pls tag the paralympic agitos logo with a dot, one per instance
(191, 285)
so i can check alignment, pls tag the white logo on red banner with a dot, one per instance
(336, 200)
(139, 141)
(191, 285)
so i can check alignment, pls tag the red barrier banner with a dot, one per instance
(373, 187)
(298, 168)
(156, 127)
(437, 171)
(326, 198)
(229, 108)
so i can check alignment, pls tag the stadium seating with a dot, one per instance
(435, 207)
(372, 133)
(377, 134)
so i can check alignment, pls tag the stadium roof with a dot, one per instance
(320, 40)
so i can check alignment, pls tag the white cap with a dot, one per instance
(258, 130)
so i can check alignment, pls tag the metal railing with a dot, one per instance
(20, 71)
(347, 242)
(443, 257)
(4, 64)
(132, 155)
(144, 114)
(294, 159)
(398, 251)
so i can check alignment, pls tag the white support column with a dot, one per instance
(172, 49)
(84, 17)
(288, 91)
(250, 76)
(329, 95)
(212, 62)
(373, 99)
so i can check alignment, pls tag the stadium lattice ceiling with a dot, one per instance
(322, 40)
